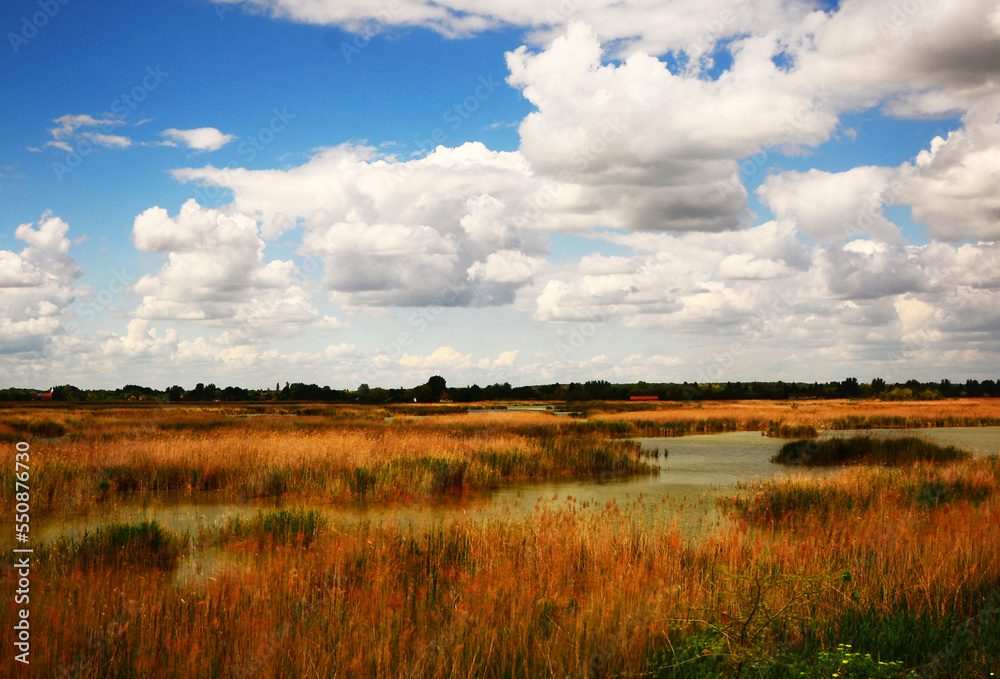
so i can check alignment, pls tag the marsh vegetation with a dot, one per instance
(867, 449)
(886, 570)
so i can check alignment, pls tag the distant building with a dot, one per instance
(445, 397)
(43, 395)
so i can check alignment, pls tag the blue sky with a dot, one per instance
(272, 190)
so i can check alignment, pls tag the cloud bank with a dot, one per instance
(648, 123)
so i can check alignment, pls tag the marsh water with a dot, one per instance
(694, 471)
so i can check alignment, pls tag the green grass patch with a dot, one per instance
(867, 449)
(283, 526)
(118, 545)
(607, 458)
(157, 478)
(780, 500)
(509, 464)
(362, 481)
(935, 492)
(862, 644)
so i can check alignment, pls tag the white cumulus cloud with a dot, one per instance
(199, 139)
(37, 285)
(216, 273)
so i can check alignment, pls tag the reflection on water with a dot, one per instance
(694, 473)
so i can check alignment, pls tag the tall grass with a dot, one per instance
(915, 573)
(901, 563)
(773, 416)
(567, 592)
(118, 545)
(925, 485)
(13, 429)
(335, 460)
(282, 526)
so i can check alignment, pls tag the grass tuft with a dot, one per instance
(282, 526)
(118, 545)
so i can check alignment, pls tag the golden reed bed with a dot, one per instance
(822, 414)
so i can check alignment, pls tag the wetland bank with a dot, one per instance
(365, 541)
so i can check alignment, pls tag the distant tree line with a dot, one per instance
(436, 390)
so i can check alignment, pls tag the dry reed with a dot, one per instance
(562, 592)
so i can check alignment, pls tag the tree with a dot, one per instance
(364, 393)
(436, 386)
(66, 392)
(497, 391)
(849, 388)
(233, 393)
(640, 388)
